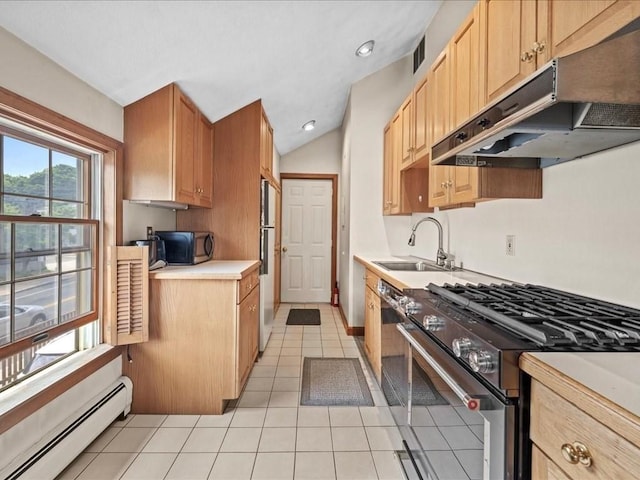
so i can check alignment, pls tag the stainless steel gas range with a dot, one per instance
(458, 396)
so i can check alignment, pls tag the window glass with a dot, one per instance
(36, 249)
(5, 252)
(67, 176)
(76, 294)
(5, 314)
(25, 167)
(18, 205)
(36, 306)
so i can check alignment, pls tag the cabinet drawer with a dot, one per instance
(544, 469)
(248, 283)
(371, 280)
(555, 422)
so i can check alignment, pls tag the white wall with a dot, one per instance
(322, 155)
(583, 236)
(32, 75)
(373, 101)
(28, 73)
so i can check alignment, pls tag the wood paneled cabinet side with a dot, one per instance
(166, 159)
(234, 217)
(203, 340)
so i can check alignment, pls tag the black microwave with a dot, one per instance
(187, 248)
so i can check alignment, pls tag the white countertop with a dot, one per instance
(612, 375)
(414, 279)
(211, 270)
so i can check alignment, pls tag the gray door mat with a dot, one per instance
(334, 381)
(303, 316)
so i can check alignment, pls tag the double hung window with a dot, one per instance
(49, 226)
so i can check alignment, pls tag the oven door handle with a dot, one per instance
(470, 402)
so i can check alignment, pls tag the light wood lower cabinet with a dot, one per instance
(557, 425)
(372, 323)
(203, 341)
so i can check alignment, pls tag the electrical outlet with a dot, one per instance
(511, 245)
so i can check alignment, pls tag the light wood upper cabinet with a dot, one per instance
(204, 163)
(467, 78)
(239, 150)
(166, 155)
(564, 29)
(440, 97)
(508, 34)
(391, 166)
(266, 147)
(422, 134)
(520, 36)
(406, 132)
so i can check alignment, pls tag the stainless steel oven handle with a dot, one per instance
(470, 402)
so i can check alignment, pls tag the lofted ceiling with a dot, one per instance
(297, 56)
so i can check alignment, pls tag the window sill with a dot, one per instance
(22, 400)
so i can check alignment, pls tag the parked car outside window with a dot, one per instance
(26, 316)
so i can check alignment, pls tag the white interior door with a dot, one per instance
(306, 241)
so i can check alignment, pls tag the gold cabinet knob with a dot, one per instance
(526, 57)
(371, 306)
(576, 453)
(284, 249)
(538, 47)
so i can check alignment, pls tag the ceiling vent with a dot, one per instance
(418, 55)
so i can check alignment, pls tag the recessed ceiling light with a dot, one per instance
(365, 49)
(310, 125)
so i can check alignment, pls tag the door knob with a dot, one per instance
(284, 249)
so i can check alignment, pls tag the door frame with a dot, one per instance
(334, 212)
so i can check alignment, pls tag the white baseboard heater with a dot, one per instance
(54, 451)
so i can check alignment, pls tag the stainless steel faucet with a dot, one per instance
(441, 256)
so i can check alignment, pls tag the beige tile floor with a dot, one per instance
(265, 434)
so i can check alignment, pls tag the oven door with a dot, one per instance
(453, 426)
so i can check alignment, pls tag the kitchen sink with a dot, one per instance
(410, 266)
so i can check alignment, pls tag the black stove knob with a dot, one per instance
(484, 122)
(461, 136)
(461, 347)
(432, 323)
(481, 361)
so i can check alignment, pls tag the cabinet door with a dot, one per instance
(204, 163)
(266, 147)
(407, 133)
(247, 337)
(394, 170)
(438, 185)
(387, 170)
(422, 138)
(508, 35)
(185, 148)
(463, 184)
(372, 339)
(565, 29)
(466, 75)
(440, 97)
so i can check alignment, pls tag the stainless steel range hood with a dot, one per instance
(574, 106)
